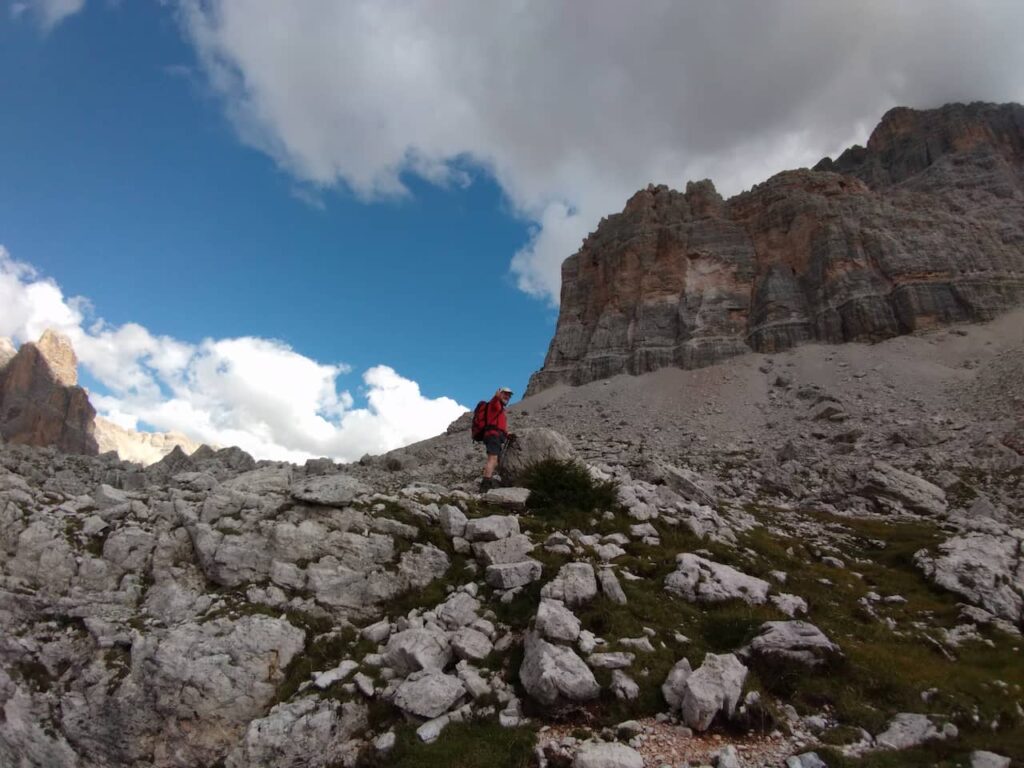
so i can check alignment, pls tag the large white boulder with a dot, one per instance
(552, 673)
(429, 693)
(700, 580)
(532, 446)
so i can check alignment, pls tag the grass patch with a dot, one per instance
(467, 745)
(885, 670)
(564, 491)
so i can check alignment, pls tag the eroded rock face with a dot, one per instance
(39, 402)
(921, 228)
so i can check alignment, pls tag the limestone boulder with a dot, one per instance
(698, 579)
(308, 731)
(985, 568)
(574, 585)
(798, 642)
(553, 674)
(530, 447)
(429, 693)
(607, 755)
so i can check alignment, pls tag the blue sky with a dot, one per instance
(318, 228)
(124, 181)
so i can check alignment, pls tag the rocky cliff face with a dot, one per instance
(40, 402)
(923, 227)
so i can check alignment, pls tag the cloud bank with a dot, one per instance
(47, 13)
(573, 106)
(255, 393)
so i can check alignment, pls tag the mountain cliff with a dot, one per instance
(923, 227)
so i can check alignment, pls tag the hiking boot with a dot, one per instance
(486, 484)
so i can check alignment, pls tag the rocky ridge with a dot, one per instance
(808, 557)
(41, 404)
(40, 400)
(921, 228)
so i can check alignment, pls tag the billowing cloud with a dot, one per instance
(572, 107)
(255, 393)
(47, 13)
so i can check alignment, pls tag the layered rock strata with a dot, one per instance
(40, 402)
(923, 227)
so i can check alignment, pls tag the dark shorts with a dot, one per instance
(493, 444)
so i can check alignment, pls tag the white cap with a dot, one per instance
(505, 389)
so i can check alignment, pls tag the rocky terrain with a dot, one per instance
(921, 228)
(807, 558)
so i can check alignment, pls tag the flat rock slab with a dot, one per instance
(328, 490)
(610, 755)
(985, 568)
(793, 641)
(429, 693)
(491, 528)
(512, 575)
(510, 498)
(908, 729)
(698, 579)
(883, 481)
(511, 549)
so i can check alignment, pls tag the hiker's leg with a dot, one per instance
(491, 465)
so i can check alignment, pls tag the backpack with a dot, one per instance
(480, 421)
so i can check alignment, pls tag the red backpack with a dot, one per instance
(480, 424)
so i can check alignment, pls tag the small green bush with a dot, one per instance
(565, 489)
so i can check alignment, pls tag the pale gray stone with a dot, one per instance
(624, 687)
(533, 445)
(611, 660)
(700, 580)
(610, 586)
(985, 568)
(607, 755)
(884, 482)
(458, 610)
(328, 490)
(417, 649)
(471, 645)
(806, 760)
(908, 729)
(673, 688)
(307, 731)
(551, 673)
(491, 528)
(511, 549)
(727, 757)
(982, 759)
(714, 687)
(575, 584)
(509, 498)
(791, 605)
(512, 575)
(429, 693)
(453, 521)
(556, 622)
(793, 641)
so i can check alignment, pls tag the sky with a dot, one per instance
(326, 228)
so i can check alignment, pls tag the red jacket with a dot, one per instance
(495, 417)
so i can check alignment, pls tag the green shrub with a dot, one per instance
(565, 489)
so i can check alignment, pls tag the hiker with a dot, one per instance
(491, 427)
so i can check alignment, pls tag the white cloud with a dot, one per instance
(47, 13)
(572, 107)
(256, 393)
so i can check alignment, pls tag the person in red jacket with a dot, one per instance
(495, 434)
